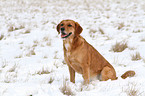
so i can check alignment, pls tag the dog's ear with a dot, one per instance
(78, 28)
(58, 28)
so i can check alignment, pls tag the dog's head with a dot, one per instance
(69, 28)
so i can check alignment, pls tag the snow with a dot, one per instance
(31, 53)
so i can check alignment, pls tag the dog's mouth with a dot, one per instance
(64, 35)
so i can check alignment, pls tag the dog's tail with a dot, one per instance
(129, 73)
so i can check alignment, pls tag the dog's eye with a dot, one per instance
(69, 25)
(61, 25)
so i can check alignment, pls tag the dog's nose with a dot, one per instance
(62, 29)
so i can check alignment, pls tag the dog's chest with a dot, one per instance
(67, 46)
(67, 49)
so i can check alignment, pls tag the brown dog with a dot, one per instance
(83, 58)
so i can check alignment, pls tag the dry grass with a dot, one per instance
(143, 39)
(1, 37)
(121, 25)
(119, 46)
(45, 57)
(20, 56)
(93, 31)
(108, 38)
(11, 74)
(55, 56)
(13, 68)
(136, 56)
(101, 31)
(132, 90)
(66, 89)
(10, 77)
(137, 30)
(48, 43)
(31, 52)
(13, 28)
(132, 48)
(44, 71)
(46, 38)
(51, 80)
(4, 63)
(27, 31)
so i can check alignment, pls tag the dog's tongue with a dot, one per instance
(63, 35)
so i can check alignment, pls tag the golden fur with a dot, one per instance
(83, 58)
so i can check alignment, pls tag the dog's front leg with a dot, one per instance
(72, 74)
(86, 74)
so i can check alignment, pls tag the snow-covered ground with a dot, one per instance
(31, 54)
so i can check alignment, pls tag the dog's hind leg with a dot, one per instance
(108, 73)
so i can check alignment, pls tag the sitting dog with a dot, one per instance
(82, 57)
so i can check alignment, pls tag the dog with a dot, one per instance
(82, 57)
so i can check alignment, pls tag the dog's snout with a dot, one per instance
(62, 29)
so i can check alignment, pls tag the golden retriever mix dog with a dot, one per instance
(82, 57)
